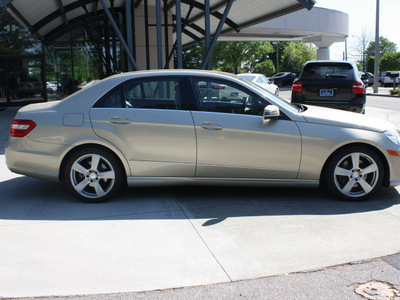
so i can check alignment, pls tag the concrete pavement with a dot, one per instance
(216, 239)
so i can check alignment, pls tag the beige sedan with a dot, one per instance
(198, 127)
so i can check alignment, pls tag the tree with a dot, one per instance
(295, 55)
(359, 49)
(233, 56)
(228, 56)
(385, 46)
(266, 67)
(371, 64)
(15, 39)
(390, 61)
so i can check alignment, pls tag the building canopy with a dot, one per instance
(177, 23)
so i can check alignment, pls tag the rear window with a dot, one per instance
(328, 70)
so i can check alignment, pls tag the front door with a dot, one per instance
(233, 141)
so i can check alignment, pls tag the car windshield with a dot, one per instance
(269, 95)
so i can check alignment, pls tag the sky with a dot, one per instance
(362, 15)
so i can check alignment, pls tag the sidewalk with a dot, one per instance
(382, 91)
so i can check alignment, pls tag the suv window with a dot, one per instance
(328, 70)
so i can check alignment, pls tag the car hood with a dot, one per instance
(335, 117)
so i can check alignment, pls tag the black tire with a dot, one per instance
(97, 183)
(354, 173)
(380, 83)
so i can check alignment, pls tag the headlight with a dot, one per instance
(393, 135)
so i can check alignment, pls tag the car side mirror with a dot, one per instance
(271, 112)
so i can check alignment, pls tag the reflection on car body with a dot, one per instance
(173, 126)
(262, 81)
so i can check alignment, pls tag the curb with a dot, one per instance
(383, 95)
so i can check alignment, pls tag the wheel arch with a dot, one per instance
(83, 146)
(370, 147)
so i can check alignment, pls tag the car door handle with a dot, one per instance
(119, 120)
(211, 126)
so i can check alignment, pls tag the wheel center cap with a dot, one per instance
(93, 175)
(356, 174)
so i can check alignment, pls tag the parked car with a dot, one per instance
(368, 79)
(388, 80)
(29, 88)
(262, 81)
(283, 78)
(52, 87)
(334, 84)
(164, 127)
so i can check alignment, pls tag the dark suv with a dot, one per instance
(335, 84)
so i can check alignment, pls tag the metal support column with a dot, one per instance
(207, 28)
(129, 35)
(216, 35)
(179, 34)
(166, 34)
(118, 32)
(159, 34)
(146, 33)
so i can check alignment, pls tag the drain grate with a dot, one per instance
(375, 290)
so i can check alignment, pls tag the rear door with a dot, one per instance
(145, 120)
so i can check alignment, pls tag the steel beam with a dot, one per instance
(216, 35)
(121, 38)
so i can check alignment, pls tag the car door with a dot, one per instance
(233, 141)
(145, 120)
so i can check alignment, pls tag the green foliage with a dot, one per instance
(266, 67)
(295, 55)
(390, 61)
(233, 56)
(228, 56)
(14, 39)
(395, 91)
(385, 46)
(193, 56)
(371, 64)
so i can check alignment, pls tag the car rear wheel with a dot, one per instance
(94, 175)
(354, 173)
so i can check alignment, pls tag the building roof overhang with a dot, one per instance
(51, 20)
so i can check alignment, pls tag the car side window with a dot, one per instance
(157, 93)
(225, 97)
(113, 99)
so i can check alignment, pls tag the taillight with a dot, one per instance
(358, 87)
(297, 86)
(20, 128)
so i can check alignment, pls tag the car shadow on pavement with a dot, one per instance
(25, 198)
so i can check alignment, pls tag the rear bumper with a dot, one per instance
(355, 105)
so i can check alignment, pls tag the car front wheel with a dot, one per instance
(354, 173)
(94, 175)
